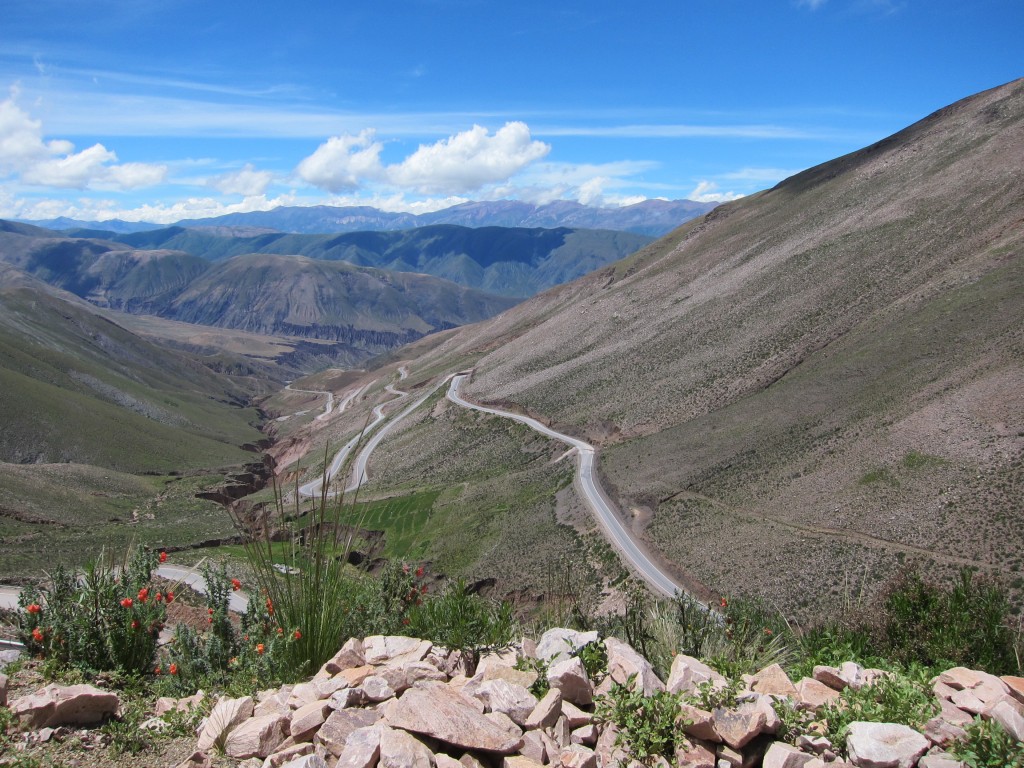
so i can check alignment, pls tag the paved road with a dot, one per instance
(593, 493)
(330, 399)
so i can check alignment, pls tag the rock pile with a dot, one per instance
(400, 702)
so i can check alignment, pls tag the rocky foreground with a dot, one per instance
(400, 702)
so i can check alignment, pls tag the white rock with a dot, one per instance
(560, 643)
(884, 745)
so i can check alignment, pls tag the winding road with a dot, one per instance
(591, 490)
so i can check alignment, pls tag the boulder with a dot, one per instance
(624, 663)
(521, 761)
(57, 705)
(380, 649)
(940, 760)
(512, 700)
(197, 759)
(884, 745)
(570, 677)
(167, 704)
(256, 737)
(699, 723)
(287, 755)
(303, 694)
(399, 749)
(340, 724)
(577, 756)
(687, 673)
(560, 643)
(362, 748)
(1015, 685)
(350, 655)
(738, 728)
(534, 747)
(435, 710)
(547, 711)
(781, 755)
(576, 716)
(306, 721)
(813, 695)
(693, 753)
(1009, 717)
(375, 689)
(225, 716)
(773, 680)
(303, 761)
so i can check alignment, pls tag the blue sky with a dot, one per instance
(165, 109)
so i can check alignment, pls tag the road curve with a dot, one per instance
(593, 494)
(328, 407)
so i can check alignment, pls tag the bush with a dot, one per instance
(109, 619)
(988, 745)
(647, 724)
(462, 621)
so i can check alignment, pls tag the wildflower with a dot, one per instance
(405, 621)
(297, 635)
(236, 585)
(423, 589)
(126, 603)
(143, 594)
(768, 632)
(169, 597)
(270, 606)
(158, 671)
(723, 603)
(37, 634)
(419, 572)
(34, 608)
(280, 630)
(158, 597)
(210, 611)
(135, 624)
(163, 557)
(209, 620)
(173, 669)
(259, 648)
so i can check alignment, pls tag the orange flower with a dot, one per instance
(37, 634)
(236, 585)
(270, 606)
(767, 631)
(163, 557)
(297, 635)
(34, 608)
(143, 594)
(259, 648)
(723, 603)
(170, 597)
(158, 671)
(126, 603)
(173, 669)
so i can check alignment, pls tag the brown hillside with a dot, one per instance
(820, 381)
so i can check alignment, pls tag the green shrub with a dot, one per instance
(988, 745)
(108, 619)
(647, 725)
(894, 698)
(966, 624)
(465, 622)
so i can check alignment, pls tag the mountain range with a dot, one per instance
(649, 217)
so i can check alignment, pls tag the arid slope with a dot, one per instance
(806, 387)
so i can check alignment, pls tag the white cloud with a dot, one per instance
(469, 160)
(707, 192)
(24, 153)
(343, 162)
(812, 4)
(247, 182)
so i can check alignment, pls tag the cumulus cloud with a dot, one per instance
(25, 154)
(247, 182)
(469, 160)
(707, 192)
(464, 162)
(343, 162)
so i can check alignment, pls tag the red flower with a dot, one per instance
(37, 634)
(173, 669)
(163, 557)
(210, 611)
(280, 630)
(767, 631)
(126, 603)
(158, 671)
(419, 572)
(236, 585)
(135, 624)
(158, 597)
(270, 606)
(170, 597)
(259, 648)
(297, 635)
(423, 589)
(34, 608)
(143, 594)
(723, 603)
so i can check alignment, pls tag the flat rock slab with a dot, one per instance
(435, 710)
(884, 745)
(225, 716)
(57, 705)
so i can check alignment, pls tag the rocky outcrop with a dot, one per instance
(57, 705)
(398, 701)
